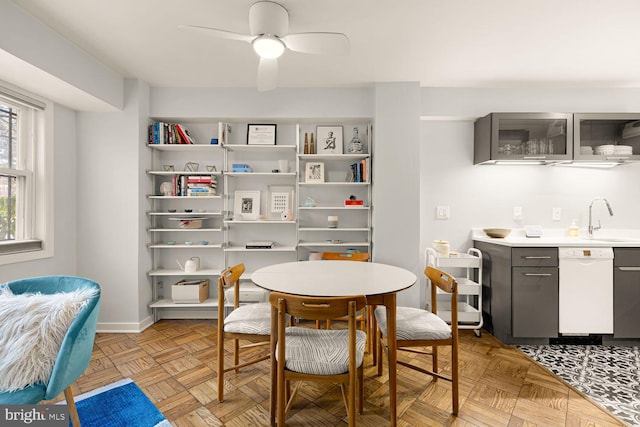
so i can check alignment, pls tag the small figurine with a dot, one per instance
(355, 146)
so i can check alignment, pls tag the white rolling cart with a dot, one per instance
(470, 291)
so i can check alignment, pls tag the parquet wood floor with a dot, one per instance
(173, 362)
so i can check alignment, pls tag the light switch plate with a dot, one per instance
(442, 212)
(556, 214)
(517, 212)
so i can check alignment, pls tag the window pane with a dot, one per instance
(7, 208)
(8, 136)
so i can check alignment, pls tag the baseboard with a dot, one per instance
(186, 314)
(125, 328)
(169, 314)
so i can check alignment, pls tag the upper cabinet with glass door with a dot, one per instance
(606, 136)
(523, 138)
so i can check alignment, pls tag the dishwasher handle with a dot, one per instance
(538, 274)
(537, 257)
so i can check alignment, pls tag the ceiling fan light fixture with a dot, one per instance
(268, 46)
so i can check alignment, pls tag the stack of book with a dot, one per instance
(193, 185)
(169, 133)
(201, 185)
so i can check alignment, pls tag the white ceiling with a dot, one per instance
(446, 43)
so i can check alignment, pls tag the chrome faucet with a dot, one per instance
(593, 228)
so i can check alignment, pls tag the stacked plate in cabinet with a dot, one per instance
(623, 150)
(604, 150)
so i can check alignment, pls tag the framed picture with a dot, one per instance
(246, 205)
(261, 134)
(314, 172)
(280, 202)
(329, 140)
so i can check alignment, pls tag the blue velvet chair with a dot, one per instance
(77, 346)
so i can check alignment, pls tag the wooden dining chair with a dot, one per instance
(307, 354)
(251, 322)
(362, 317)
(416, 327)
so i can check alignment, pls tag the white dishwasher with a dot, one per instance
(585, 291)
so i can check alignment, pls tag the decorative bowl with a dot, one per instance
(499, 233)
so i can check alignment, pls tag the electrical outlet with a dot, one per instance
(556, 214)
(442, 212)
(517, 212)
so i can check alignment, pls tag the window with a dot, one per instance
(21, 145)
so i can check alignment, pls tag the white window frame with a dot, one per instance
(34, 185)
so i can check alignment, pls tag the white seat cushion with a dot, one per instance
(252, 319)
(414, 324)
(321, 351)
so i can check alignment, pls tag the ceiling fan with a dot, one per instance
(269, 28)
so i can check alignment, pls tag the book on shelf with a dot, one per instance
(184, 134)
(201, 179)
(266, 244)
(356, 203)
(360, 171)
(169, 133)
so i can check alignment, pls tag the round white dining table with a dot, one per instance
(378, 282)
(333, 278)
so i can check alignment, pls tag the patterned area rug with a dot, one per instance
(609, 375)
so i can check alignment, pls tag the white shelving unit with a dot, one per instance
(354, 222)
(167, 240)
(469, 291)
(226, 234)
(263, 160)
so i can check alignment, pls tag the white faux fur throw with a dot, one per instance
(32, 327)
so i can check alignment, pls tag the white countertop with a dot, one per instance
(556, 237)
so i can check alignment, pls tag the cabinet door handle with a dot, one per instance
(534, 157)
(538, 274)
(537, 257)
(629, 268)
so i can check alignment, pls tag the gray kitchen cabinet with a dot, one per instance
(606, 137)
(626, 293)
(523, 137)
(535, 302)
(520, 292)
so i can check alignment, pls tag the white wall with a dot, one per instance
(62, 137)
(225, 103)
(35, 58)
(396, 181)
(109, 217)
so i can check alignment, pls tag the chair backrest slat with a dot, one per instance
(346, 256)
(317, 308)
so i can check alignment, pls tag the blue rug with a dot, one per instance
(121, 404)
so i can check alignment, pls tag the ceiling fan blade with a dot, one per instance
(214, 32)
(267, 74)
(318, 43)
